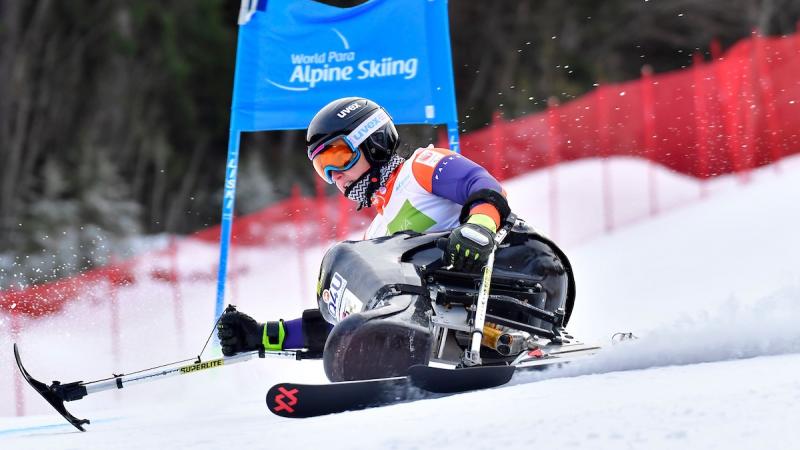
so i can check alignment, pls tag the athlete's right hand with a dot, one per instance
(238, 332)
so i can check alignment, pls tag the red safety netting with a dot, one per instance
(733, 114)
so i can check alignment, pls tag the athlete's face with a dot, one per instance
(345, 178)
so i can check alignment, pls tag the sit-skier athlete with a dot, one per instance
(352, 143)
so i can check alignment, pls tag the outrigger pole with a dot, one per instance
(58, 393)
(472, 355)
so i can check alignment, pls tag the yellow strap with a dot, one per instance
(484, 221)
(281, 335)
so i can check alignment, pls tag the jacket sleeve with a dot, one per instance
(456, 178)
(310, 331)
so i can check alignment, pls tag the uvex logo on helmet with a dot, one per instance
(366, 128)
(348, 109)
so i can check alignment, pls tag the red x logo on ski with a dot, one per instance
(289, 395)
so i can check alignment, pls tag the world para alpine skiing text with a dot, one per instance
(305, 71)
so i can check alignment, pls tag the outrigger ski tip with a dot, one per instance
(56, 393)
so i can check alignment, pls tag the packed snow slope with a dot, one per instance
(711, 289)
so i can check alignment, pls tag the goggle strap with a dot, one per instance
(373, 123)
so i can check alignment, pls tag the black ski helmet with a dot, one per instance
(340, 117)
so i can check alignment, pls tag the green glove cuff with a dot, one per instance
(274, 335)
(484, 221)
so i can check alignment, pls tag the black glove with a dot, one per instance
(468, 247)
(239, 332)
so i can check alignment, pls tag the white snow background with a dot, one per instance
(712, 289)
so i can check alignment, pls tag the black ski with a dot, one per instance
(423, 382)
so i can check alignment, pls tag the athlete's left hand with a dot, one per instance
(469, 247)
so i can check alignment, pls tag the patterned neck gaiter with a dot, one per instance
(361, 191)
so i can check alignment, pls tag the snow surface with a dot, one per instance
(711, 289)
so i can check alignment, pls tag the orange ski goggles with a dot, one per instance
(335, 155)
